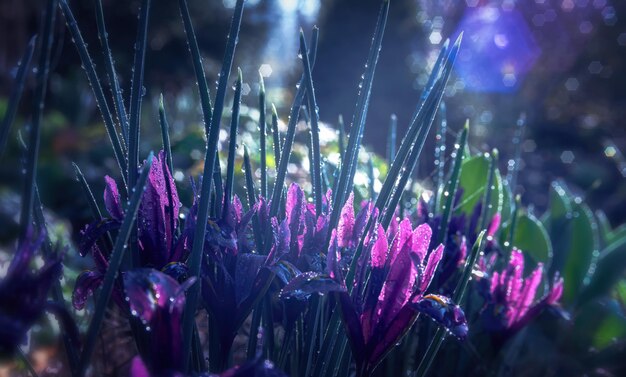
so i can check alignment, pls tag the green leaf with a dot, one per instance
(532, 238)
(507, 199)
(583, 250)
(473, 181)
(609, 268)
(611, 328)
(558, 222)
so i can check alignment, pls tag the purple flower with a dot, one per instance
(23, 295)
(157, 222)
(461, 234)
(378, 314)
(158, 301)
(510, 299)
(234, 277)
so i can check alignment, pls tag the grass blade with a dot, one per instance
(262, 136)
(114, 264)
(91, 200)
(349, 162)
(281, 172)
(32, 155)
(453, 184)
(195, 257)
(96, 86)
(251, 191)
(414, 128)
(391, 138)
(232, 146)
(165, 134)
(487, 207)
(315, 131)
(137, 92)
(275, 136)
(440, 155)
(427, 121)
(203, 88)
(16, 93)
(341, 142)
(114, 83)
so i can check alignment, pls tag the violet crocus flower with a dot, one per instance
(401, 272)
(460, 236)
(234, 278)
(510, 299)
(23, 295)
(158, 301)
(157, 222)
(380, 310)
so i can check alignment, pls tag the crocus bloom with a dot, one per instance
(157, 221)
(378, 314)
(158, 301)
(233, 277)
(511, 299)
(400, 275)
(461, 235)
(23, 294)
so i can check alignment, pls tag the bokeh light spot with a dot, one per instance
(572, 84)
(567, 157)
(265, 70)
(498, 49)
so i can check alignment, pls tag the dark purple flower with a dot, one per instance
(510, 300)
(234, 277)
(23, 294)
(158, 301)
(157, 222)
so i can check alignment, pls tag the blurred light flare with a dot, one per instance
(498, 51)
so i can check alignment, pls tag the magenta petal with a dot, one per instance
(295, 207)
(367, 208)
(148, 291)
(138, 368)
(556, 292)
(431, 267)
(380, 248)
(528, 292)
(346, 223)
(157, 219)
(112, 200)
(421, 240)
(333, 257)
(398, 327)
(494, 225)
(405, 231)
(445, 312)
(396, 290)
(86, 283)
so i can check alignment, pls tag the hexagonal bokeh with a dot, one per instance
(498, 49)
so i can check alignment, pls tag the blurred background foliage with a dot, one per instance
(561, 62)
